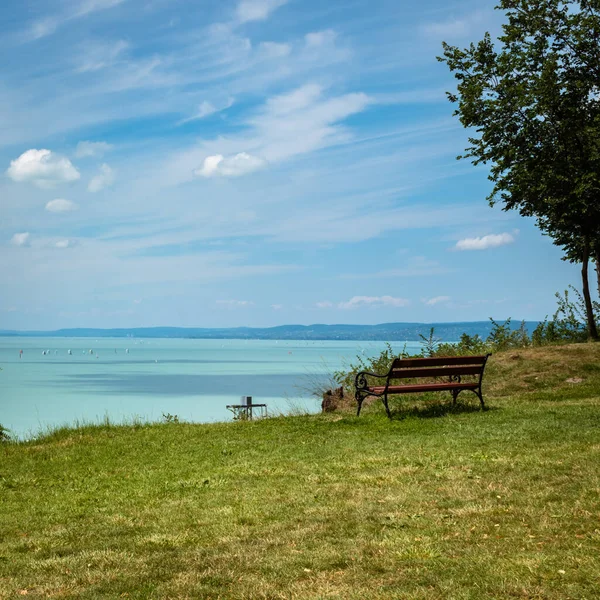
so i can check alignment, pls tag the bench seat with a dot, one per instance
(424, 387)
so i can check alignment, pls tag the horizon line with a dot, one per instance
(193, 327)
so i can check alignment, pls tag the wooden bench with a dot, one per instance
(452, 369)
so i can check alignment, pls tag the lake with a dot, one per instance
(58, 381)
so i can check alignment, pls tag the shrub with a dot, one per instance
(468, 344)
(429, 344)
(568, 324)
(376, 364)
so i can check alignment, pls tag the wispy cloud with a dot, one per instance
(92, 149)
(102, 180)
(304, 120)
(288, 125)
(436, 300)
(274, 49)
(206, 109)
(455, 27)
(257, 10)
(85, 7)
(235, 303)
(373, 302)
(20, 239)
(61, 205)
(485, 242)
(49, 24)
(416, 266)
(42, 27)
(318, 39)
(324, 304)
(96, 56)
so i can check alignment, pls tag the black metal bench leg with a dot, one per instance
(480, 396)
(387, 408)
(455, 394)
(359, 399)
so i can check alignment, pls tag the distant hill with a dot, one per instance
(392, 332)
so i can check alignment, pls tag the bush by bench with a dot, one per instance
(460, 373)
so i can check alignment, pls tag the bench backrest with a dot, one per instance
(439, 366)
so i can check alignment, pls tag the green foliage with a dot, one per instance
(239, 413)
(376, 364)
(429, 344)
(4, 434)
(530, 100)
(532, 97)
(467, 345)
(169, 418)
(502, 337)
(568, 323)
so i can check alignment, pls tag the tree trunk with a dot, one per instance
(589, 310)
(597, 259)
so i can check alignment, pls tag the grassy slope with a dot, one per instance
(465, 504)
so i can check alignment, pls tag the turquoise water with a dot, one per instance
(126, 379)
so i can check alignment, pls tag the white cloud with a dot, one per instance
(321, 47)
(416, 266)
(436, 300)
(257, 10)
(231, 166)
(205, 109)
(485, 242)
(276, 306)
(61, 205)
(320, 38)
(234, 303)
(20, 239)
(42, 168)
(274, 49)
(374, 302)
(104, 179)
(414, 96)
(299, 99)
(325, 304)
(62, 244)
(42, 28)
(89, 6)
(455, 27)
(302, 121)
(48, 25)
(85, 149)
(94, 56)
(312, 127)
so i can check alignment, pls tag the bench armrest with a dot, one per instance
(360, 381)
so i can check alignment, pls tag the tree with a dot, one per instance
(532, 100)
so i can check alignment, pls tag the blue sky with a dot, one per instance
(249, 162)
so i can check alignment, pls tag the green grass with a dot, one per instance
(438, 503)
